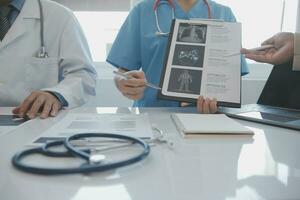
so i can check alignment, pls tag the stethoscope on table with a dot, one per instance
(171, 3)
(91, 151)
(42, 52)
(94, 161)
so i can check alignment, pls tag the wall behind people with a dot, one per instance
(96, 5)
(298, 18)
(134, 2)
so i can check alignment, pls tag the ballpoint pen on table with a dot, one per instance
(128, 77)
(17, 118)
(261, 48)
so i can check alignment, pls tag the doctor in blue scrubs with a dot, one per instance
(139, 51)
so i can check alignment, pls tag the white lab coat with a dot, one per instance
(68, 70)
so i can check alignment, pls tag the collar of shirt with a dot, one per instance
(17, 4)
(199, 6)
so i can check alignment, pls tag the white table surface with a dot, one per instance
(263, 166)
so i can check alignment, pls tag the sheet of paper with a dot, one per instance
(12, 120)
(201, 61)
(9, 122)
(136, 125)
(6, 129)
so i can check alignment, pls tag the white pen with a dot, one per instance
(261, 48)
(16, 118)
(128, 77)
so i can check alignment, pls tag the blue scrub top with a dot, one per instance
(137, 47)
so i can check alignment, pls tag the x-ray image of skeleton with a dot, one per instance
(185, 80)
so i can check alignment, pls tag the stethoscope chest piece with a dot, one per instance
(96, 158)
(42, 53)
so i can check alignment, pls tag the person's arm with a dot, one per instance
(296, 63)
(77, 74)
(125, 55)
(134, 87)
(282, 51)
(77, 77)
(39, 101)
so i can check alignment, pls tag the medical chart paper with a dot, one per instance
(202, 60)
(6, 129)
(136, 125)
(9, 122)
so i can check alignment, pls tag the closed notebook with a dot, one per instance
(196, 124)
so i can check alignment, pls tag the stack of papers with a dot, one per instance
(135, 125)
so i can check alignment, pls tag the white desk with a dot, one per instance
(265, 166)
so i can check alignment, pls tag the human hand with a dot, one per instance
(282, 52)
(206, 105)
(38, 101)
(133, 87)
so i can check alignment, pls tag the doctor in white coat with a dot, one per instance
(33, 83)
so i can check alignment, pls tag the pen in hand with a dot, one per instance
(128, 77)
(261, 48)
(16, 118)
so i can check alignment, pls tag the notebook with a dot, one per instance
(191, 125)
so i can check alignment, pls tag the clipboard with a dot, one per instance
(189, 71)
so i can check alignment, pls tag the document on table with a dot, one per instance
(136, 125)
(203, 59)
(10, 122)
(6, 129)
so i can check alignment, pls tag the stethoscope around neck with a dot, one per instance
(171, 3)
(42, 53)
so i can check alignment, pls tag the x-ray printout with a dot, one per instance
(203, 59)
(136, 125)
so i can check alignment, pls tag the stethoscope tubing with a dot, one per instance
(157, 3)
(72, 151)
(42, 52)
(84, 154)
